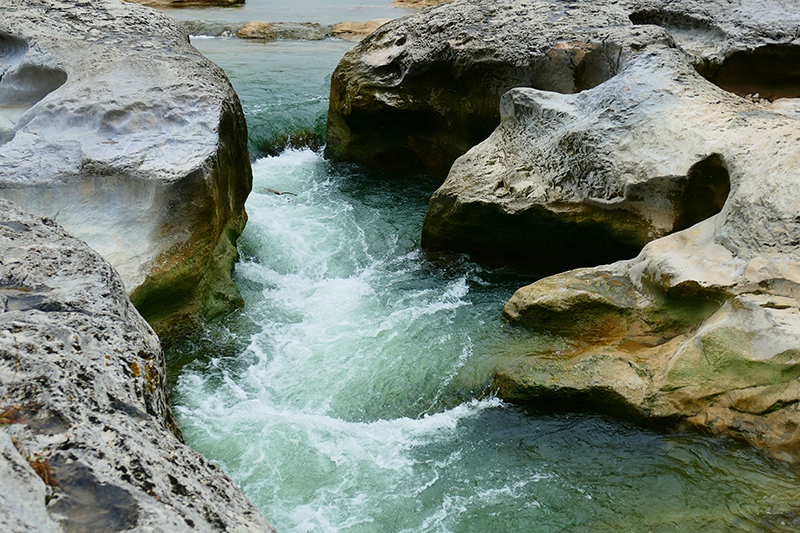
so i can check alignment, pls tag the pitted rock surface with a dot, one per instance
(113, 124)
(83, 385)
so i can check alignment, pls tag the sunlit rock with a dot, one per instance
(84, 405)
(356, 31)
(114, 125)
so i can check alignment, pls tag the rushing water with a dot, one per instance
(347, 395)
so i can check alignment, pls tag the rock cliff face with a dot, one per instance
(84, 402)
(112, 124)
(669, 125)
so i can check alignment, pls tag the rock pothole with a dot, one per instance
(707, 187)
(21, 85)
(771, 72)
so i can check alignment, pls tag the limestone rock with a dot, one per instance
(423, 89)
(664, 124)
(83, 387)
(417, 4)
(269, 31)
(356, 31)
(580, 179)
(113, 124)
(187, 3)
(22, 493)
(692, 331)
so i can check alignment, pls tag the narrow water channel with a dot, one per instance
(347, 395)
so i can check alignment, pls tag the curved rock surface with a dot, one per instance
(84, 402)
(113, 124)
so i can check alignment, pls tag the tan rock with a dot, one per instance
(417, 4)
(257, 30)
(187, 3)
(355, 31)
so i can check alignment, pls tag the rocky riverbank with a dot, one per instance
(581, 133)
(88, 441)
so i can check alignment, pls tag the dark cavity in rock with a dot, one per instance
(21, 86)
(707, 188)
(772, 72)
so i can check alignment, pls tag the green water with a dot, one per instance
(347, 396)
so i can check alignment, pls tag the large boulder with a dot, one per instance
(581, 179)
(114, 125)
(422, 90)
(84, 402)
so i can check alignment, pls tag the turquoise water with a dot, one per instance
(348, 394)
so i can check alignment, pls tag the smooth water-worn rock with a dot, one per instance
(588, 178)
(424, 89)
(668, 125)
(114, 125)
(84, 401)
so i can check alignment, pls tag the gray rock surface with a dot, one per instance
(83, 390)
(113, 124)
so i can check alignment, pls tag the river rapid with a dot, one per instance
(349, 393)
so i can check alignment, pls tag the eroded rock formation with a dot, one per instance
(113, 124)
(88, 441)
(668, 125)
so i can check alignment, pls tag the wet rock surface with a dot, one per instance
(665, 125)
(113, 124)
(87, 435)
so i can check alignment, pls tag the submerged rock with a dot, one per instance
(84, 402)
(668, 125)
(117, 127)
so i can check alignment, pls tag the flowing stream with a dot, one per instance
(349, 393)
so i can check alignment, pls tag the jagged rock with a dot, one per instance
(113, 124)
(310, 31)
(84, 401)
(356, 31)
